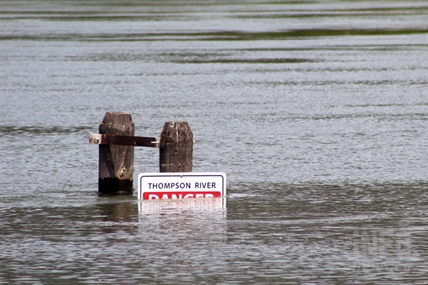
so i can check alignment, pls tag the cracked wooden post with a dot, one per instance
(116, 162)
(176, 152)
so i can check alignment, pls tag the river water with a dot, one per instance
(316, 111)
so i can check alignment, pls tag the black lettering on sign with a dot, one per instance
(205, 185)
(171, 185)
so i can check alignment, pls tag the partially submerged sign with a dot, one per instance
(181, 185)
(178, 207)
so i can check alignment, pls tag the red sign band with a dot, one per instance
(180, 195)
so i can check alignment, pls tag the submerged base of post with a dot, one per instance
(116, 162)
(115, 186)
(177, 152)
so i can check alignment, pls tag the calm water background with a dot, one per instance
(317, 111)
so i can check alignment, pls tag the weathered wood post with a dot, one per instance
(116, 162)
(176, 151)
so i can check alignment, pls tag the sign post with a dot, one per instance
(181, 185)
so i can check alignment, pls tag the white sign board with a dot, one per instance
(181, 185)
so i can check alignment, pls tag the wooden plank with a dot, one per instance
(124, 140)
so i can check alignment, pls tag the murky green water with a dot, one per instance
(317, 112)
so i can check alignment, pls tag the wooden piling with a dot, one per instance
(116, 162)
(176, 153)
